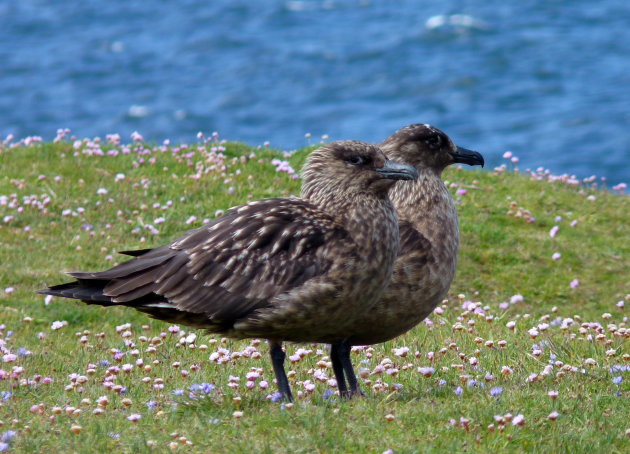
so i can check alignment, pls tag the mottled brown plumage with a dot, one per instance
(283, 269)
(429, 234)
(429, 238)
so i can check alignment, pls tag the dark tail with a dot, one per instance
(136, 253)
(133, 284)
(88, 291)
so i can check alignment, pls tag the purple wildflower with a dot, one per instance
(195, 387)
(472, 383)
(207, 388)
(8, 436)
(496, 391)
(458, 391)
(327, 394)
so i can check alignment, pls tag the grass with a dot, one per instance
(67, 208)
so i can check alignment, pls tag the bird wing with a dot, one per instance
(231, 266)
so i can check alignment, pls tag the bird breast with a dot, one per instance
(325, 308)
(425, 267)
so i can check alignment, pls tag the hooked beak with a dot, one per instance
(464, 156)
(397, 171)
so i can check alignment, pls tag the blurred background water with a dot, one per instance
(548, 80)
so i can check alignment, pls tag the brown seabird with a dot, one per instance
(296, 270)
(429, 239)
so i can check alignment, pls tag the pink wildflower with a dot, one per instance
(518, 420)
(136, 136)
(575, 283)
(9, 358)
(516, 299)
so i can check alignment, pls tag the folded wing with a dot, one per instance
(224, 270)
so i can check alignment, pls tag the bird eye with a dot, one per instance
(356, 160)
(433, 141)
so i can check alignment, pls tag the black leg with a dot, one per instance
(338, 370)
(344, 356)
(277, 359)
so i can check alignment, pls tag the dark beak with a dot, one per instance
(396, 171)
(464, 156)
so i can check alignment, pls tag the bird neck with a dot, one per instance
(371, 218)
(427, 204)
(373, 224)
(373, 213)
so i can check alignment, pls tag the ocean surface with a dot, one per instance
(547, 80)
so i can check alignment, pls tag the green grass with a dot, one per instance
(501, 255)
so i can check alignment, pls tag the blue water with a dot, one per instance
(548, 80)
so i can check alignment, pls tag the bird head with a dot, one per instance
(348, 167)
(426, 147)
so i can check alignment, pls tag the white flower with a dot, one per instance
(58, 325)
(518, 420)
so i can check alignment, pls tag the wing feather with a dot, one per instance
(227, 269)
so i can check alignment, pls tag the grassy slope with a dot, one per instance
(500, 256)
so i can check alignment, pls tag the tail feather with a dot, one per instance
(136, 253)
(88, 291)
(152, 258)
(156, 306)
